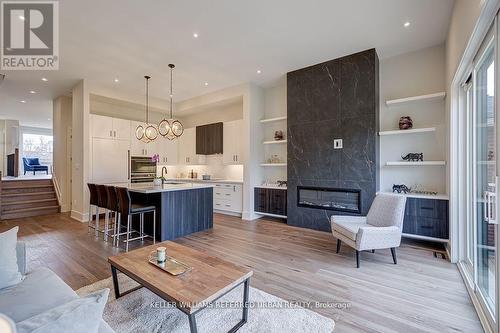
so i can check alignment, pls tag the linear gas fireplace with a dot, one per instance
(343, 200)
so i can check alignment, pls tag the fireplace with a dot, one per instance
(342, 200)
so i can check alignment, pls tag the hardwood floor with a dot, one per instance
(419, 294)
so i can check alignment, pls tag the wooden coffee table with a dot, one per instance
(209, 279)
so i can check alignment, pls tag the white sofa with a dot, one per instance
(41, 290)
(380, 229)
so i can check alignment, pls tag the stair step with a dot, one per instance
(16, 205)
(27, 196)
(27, 212)
(28, 189)
(35, 182)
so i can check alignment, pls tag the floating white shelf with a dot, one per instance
(270, 120)
(424, 163)
(414, 99)
(273, 142)
(438, 196)
(273, 164)
(408, 131)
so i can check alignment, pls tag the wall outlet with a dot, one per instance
(337, 144)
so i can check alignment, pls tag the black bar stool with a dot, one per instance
(94, 203)
(102, 202)
(126, 208)
(112, 206)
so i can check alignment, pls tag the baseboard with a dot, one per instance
(225, 212)
(81, 217)
(250, 216)
(479, 310)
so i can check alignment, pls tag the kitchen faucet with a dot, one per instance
(162, 174)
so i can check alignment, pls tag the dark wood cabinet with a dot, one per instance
(426, 217)
(270, 201)
(209, 139)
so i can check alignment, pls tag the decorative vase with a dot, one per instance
(405, 123)
(157, 182)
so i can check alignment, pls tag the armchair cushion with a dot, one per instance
(348, 225)
(33, 161)
(371, 238)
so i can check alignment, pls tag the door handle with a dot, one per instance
(111, 133)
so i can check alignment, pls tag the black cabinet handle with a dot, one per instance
(427, 226)
(427, 208)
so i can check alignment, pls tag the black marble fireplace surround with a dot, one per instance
(337, 99)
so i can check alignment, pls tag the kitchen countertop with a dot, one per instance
(197, 180)
(271, 187)
(147, 188)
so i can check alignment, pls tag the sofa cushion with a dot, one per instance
(33, 161)
(81, 315)
(348, 227)
(9, 270)
(41, 289)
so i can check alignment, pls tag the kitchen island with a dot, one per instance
(181, 208)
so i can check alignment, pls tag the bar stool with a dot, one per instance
(112, 207)
(126, 208)
(102, 202)
(94, 203)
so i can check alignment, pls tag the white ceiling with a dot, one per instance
(126, 39)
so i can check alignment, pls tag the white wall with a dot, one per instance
(214, 114)
(80, 151)
(61, 124)
(412, 74)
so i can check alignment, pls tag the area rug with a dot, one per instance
(141, 312)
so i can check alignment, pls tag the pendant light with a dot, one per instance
(147, 132)
(171, 128)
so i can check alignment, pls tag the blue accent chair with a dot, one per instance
(33, 164)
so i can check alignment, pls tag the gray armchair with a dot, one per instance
(380, 229)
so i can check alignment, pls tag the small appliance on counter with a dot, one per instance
(205, 177)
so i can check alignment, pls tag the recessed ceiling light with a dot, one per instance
(195, 35)
(116, 80)
(32, 92)
(206, 83)
(23, 101)
(259, 71)
(44, 79)
(21, 17)
(407, 24)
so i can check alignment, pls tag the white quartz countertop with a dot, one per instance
(147, 188)
(272, 187)
(213, 181)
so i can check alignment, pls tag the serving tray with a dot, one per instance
(171, 265)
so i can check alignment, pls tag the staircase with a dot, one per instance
(25, 198)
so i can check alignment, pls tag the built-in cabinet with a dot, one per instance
(232, 144)
(270, 201)
(426, 218)
(228, 197)
(187, 148)
(209, 139)
(138, 148)
(110, 128)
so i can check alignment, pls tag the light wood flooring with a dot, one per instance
(419, 294)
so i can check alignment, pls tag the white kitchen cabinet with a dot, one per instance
(187, 149)
(228, 197)
(139, 148)
(168, 150)
(232, 143)
(110, 128)
(109, 161)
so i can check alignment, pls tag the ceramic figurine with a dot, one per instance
(413, 157)
(405, 123)
(278, 135)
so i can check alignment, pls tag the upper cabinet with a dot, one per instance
(233, 145)
(187, 148)
(167, 149)
(138, 148)
(209, 139)
(109, 128)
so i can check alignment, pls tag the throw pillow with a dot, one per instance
(81, 315)
(9, 270)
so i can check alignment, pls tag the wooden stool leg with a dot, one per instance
(128, 232)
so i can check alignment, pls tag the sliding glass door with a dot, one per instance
(484, 172)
